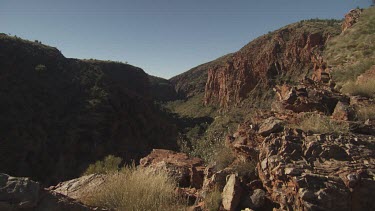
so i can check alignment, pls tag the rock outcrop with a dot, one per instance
(351, 18)
(81, 187)
(308, 96)
(313, 172)
(300, 170)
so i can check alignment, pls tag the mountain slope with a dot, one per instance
(352, 53)
(57, 115)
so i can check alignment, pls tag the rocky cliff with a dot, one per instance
(287, 52)
(58, 115)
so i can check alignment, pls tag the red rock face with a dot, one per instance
(289, 50)
(351, 18)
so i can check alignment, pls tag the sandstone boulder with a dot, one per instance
(81, 187)
(189, 172)
(232, 192)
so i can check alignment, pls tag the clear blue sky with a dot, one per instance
(164, 37)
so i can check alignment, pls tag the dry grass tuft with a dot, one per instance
(365, 89)
(366, 112)
(322, 124)
(136, 188)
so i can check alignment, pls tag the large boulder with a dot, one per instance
(189, 172)
(19, 192)
(255, 200)
(23, 194)
(232, 193)
(80, 187)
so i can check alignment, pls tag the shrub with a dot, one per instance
(322, 124)
(108, 165)
(137, 188)
(212, 200)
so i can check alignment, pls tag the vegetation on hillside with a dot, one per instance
(57, 115)
(352, 53)
(109, 164)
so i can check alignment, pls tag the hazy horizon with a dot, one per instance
(164, 38)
